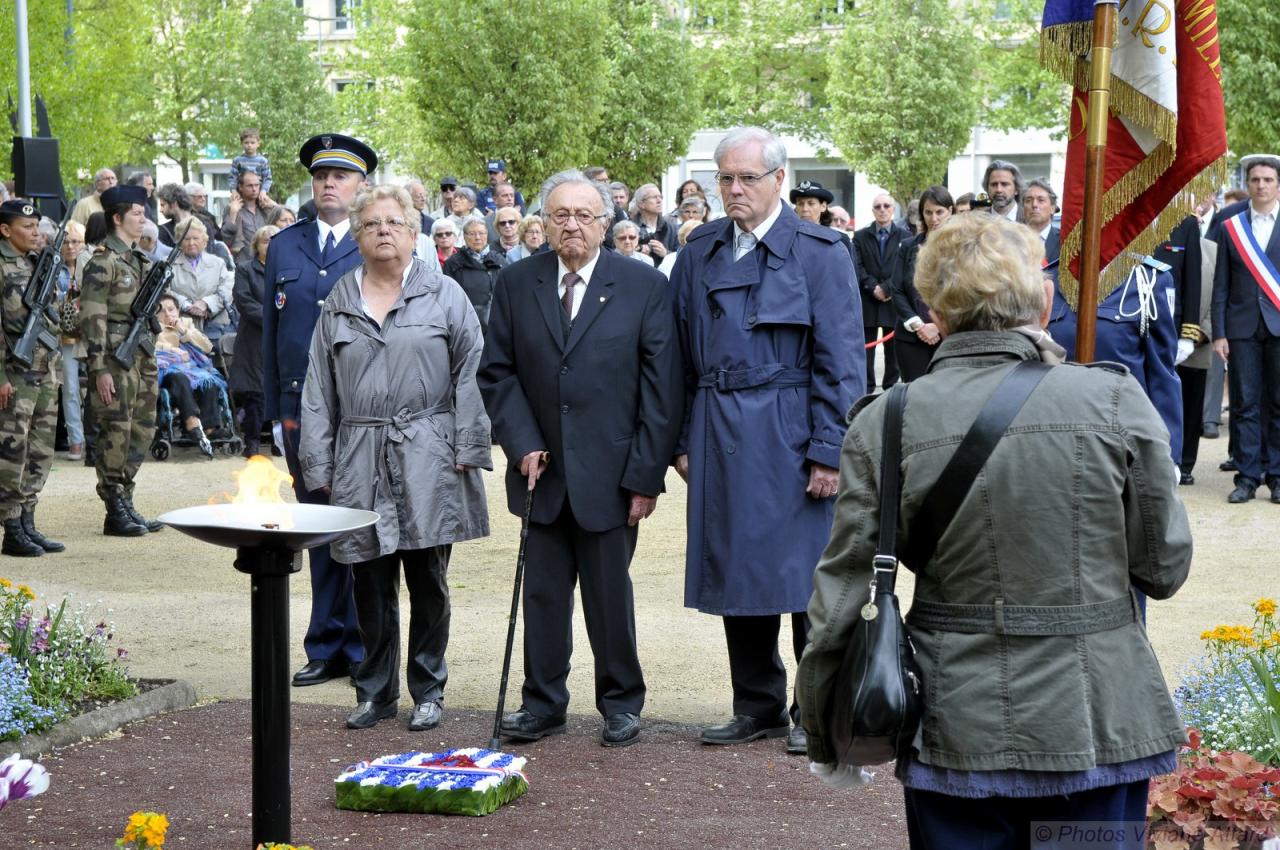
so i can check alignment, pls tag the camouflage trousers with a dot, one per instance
(126, 427)
(27, 429)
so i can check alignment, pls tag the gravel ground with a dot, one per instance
(182, 611)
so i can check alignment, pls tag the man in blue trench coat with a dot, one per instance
(771, 331)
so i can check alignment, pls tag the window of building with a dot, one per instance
(344, 14)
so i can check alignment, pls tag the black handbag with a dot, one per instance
(878, 695)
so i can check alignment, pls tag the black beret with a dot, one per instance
(18, 208)
(124, 195)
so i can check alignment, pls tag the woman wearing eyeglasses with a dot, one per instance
(475, 267)
(445, 236)
(392, 421)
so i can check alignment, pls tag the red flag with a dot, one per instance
(1155, 166)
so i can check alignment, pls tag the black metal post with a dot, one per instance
(269, 569)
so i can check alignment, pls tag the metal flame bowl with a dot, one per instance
(289, 526)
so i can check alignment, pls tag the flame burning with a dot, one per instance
(258, 486)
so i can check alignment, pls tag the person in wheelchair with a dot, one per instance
(187, 374)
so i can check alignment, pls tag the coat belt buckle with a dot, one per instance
(721, 384)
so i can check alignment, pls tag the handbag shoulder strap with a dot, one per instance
(886, 561)
(949, 491)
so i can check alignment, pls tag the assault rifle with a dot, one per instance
(38, 299)
(142, 312)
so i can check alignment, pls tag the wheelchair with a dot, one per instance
(226, 435)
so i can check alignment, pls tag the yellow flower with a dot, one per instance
(26, 591)
(1265, 607)
(5, 583)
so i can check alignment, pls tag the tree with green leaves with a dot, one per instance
(652, 104)
(92, 81)
(903, 107)
(766, 62)
(521, 80)
(223, 65)
(1017, 91)
(1250, 39)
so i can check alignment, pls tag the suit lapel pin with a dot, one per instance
(603, 299)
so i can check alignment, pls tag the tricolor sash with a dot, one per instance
(1255, 258)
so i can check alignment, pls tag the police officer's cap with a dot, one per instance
(334, 150)
(812, 189)
(493, 166)
(124, 195)
(18, 208)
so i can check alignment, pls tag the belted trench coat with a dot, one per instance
(772, 348)
(387, 413)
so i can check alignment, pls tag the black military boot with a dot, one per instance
(16, 541)
(33, 534)
(148, 524)
(119, 523)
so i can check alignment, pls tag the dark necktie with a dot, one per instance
(328, 250)
(883, 236)
(571, 280)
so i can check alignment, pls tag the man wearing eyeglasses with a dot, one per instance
(877, 246)
(581, 379)
(770, 333)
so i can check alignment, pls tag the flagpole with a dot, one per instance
(1104, 36)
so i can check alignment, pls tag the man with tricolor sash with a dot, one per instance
(1246, 329)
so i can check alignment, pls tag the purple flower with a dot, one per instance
(20, 778)
(121, 653)
(22, 623)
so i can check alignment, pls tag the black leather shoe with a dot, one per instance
(523, 725)
(148, 524)
(1244, 492)
(1210, 431)
(797, 741)
(251, 449)
(1187, 479)
(118, 522)
(319, 672)
(743, 728)
(1228, 465)
(1275, 495)
(426, 715)
(367, 714)
(17, 543)
(620, 730)
(28, 519)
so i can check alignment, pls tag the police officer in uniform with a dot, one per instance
(304, 261)
(124, 397)
(28, 394)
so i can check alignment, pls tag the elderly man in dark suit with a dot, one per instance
(877, 247)
(1246, 329)
(581, 377)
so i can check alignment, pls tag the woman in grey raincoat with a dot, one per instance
(392, 421)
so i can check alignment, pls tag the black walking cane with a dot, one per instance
(511, 624)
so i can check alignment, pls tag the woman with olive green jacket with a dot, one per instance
(1077, 502)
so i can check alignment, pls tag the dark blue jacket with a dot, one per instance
(295, 287)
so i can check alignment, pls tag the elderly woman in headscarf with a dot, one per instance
(187, 373)
(202, 284)
(392, 421)
(1043, 700)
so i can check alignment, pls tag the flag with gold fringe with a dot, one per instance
(1166, 137)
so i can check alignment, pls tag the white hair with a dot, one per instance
(771, 147)
(573, 175)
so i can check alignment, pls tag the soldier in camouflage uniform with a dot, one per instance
(28, 395)
(124, 404)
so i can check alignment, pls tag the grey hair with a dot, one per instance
(1003, 165)
(102, 172)
(1041, 183)
(573, 175)
(440, 224)
(771, 147)
(149, 229)
(191, 225)
(48, 227)
(623, 226)
(642, 193)
(409, 186)
(377, 193)
(196, 189)
(472, 222)
(137, 178)
(618, 185)
(694, 202)
(466, 192)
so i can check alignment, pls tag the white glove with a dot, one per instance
(841, 776)
(277, 435)
(1185, 347)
